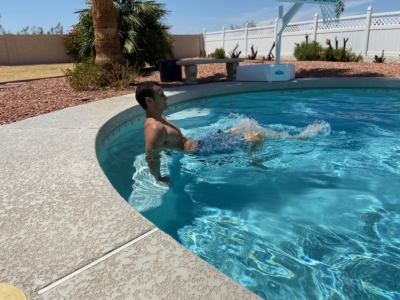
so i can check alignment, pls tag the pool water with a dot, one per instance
(317, 218)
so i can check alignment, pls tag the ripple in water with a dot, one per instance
(316, 218)
(294, 261)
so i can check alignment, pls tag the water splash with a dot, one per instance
(147, 193)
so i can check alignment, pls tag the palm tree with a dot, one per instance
(144, 38)
(106, 38)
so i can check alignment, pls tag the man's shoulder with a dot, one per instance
(153, 125)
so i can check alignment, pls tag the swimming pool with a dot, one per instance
(296, 219)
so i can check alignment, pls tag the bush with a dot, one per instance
(144, 37)
(71, 44)
(352, 56)
(314, 51)
(119, 76)
(329, 54)
(341, 54)
(308, 51)
(84, 76)
(219, 53)
(87, 76)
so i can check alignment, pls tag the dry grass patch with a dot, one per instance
(10, 73)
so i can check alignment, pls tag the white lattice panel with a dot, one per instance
(385, 20)
(344, 23)
(214, 36)
(235, 33)
(384, 34)
(260, 31)
(299, 27)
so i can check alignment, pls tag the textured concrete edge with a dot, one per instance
(96, 262)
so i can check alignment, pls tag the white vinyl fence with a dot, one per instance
(367, 34)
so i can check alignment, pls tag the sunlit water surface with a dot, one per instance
(293, 219)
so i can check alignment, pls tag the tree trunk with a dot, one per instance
(106, 38)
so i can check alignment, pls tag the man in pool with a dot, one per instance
(160, 133)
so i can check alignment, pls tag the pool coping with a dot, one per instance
(61, 219)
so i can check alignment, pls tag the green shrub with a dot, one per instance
(71, 44)
(352, 56)
(341, 54)
(329, 54)
(314, 51)
(87, 76)
(219, 53)
(308, 51)
(144, 37)
(120, 76)
(84, 76)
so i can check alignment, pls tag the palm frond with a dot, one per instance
(144, 37)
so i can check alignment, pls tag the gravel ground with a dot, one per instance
(45, 95)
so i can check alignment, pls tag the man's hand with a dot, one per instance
(165, 181)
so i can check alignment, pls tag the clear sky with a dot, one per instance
(185, 16)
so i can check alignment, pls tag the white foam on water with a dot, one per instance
(190, 113)
(147, 193)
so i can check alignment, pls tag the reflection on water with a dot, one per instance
(293, 219)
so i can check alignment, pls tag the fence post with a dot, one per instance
(276, 38)
(246, 43)
(367, 31)
(223, 37)
(315, 27)
(204, 40)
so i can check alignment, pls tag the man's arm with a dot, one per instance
(155, 136)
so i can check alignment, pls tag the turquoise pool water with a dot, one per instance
(293, 219)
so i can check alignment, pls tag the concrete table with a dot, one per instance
(191, 67)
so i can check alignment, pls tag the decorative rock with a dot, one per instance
(85, 98)
(47, 93)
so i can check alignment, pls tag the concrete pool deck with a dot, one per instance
(67, 234)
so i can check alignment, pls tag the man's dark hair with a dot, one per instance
(145, 89)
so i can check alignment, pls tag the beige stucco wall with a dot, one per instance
(186, 45)
(32, 49)
(49, 49)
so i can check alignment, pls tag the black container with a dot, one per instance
(169, 70)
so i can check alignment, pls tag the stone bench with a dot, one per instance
(191, 67)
